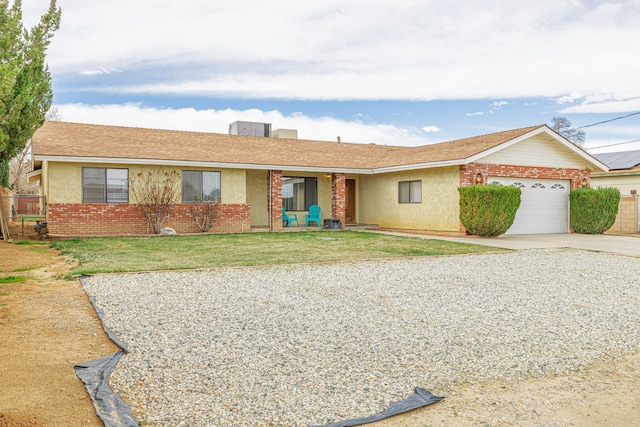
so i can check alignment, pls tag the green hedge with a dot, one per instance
(488, 210)
(593, 211)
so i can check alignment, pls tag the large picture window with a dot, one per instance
(298, 193)
(410, 191)
(198, 186)
(105, 185)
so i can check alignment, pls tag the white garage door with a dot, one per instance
(544, 206)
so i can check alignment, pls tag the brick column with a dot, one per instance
(275, 200)
(338, 197)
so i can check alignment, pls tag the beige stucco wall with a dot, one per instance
(62, 182)
(624, 183)
(438, 211)
(257, 197)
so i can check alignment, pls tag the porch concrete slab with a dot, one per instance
(625, 245)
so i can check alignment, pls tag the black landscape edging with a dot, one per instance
(112, 410)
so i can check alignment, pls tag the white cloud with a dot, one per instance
(497, 105)
(357, 49)
(431, 129)
(217, 121)
(604, 106)
(99, 71)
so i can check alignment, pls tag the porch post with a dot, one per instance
(338, 198)
(275, 200)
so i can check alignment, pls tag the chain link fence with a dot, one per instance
(22, 208)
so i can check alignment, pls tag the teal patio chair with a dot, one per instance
(289, 219)
(314, 215)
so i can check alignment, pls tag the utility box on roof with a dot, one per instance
(285, 133)
(250, 129)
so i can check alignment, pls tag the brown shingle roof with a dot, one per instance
(63, 139)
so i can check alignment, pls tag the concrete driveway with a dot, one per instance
(626, 245)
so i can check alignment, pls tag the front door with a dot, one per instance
(350, 201)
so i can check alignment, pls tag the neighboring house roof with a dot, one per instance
(87, 143)
(620, 160)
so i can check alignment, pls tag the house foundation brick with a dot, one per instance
(110, 219)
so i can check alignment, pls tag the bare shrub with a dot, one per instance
(155, 194)
(204, 213)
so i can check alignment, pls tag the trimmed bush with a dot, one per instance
(488, 210)
(593, 211)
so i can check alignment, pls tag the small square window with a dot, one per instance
(410, 191)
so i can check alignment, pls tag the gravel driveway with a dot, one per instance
(314, 344)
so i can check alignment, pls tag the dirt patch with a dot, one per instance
(605, 394)
(47, 325)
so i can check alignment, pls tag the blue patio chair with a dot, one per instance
(314, 215)
(289, 219)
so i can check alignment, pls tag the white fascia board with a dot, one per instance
(34, 175)
(616, 173)
(183, 163)
(542, 129)
(430, 165)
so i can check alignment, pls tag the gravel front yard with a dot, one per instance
(314, 344)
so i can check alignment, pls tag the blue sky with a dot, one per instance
(401, 73)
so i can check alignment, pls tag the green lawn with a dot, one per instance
(105, 255)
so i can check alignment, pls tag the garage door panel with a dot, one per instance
(544, 206)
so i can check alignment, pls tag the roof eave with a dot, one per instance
(202, 164)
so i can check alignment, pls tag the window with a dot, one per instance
(410, 191)
(298, 193)
(105, 185)
(200, 186)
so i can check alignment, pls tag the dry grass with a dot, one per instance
(106, 255)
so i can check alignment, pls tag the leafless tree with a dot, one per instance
(562, 125)
(18, 169)
(20, 165)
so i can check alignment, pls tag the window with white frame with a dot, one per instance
(105, 185)
(298, 193)
(198, 186)
(410, 191)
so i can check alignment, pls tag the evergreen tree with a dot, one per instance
(25, 82)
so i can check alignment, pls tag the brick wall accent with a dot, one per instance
(338, 197)
(114, 219)
(627, 219)
(469, 173)
(275, 200)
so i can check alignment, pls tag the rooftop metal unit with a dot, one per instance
(250, 129)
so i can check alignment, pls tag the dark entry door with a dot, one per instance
(350, 205)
